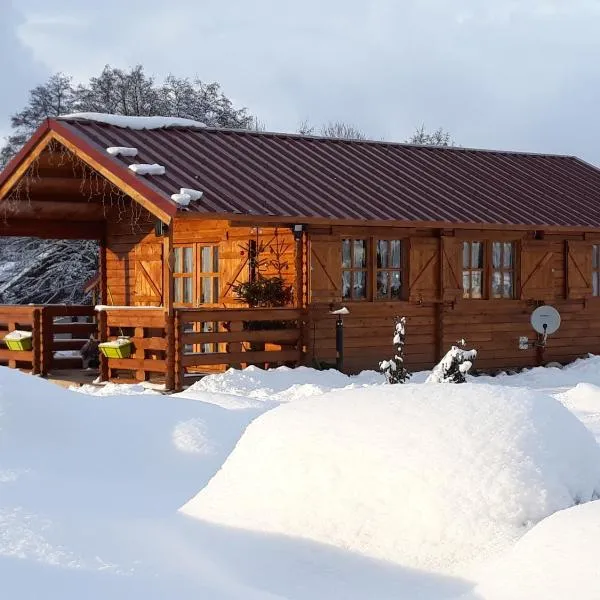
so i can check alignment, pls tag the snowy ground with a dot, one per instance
(327, 487)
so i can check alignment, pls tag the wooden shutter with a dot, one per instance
(148, 290)
(325, 269)
(451, 269)
(537, 275)
(233, 268)
(579, 270)
(423, 269)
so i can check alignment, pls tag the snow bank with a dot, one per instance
(557, 559)
(278, 385)
(144, 169)
(431, 477)
(154, 122)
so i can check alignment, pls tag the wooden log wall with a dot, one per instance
(276, 251)
(551, 268)
(134, 258)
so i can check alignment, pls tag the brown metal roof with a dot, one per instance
(274, 174)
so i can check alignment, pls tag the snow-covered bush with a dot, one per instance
(394, 369)
(455, 365)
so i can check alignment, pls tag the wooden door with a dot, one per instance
(148, 290)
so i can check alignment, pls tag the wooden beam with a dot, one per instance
(42, 210)
(69, 186)
(52, 229)
(25, 164)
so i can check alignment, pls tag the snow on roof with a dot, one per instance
(154, 122)
(144, 169)
(186, 195)
(122, 151)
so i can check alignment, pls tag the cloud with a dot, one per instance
(19, 69)
(509, 74)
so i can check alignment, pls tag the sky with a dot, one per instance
(503, 74)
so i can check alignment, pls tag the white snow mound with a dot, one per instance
(146, 169)
(432, 477)
(153, 122)
(557, 559)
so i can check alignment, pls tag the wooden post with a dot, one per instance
(103, 274)
(139, 353)
(170, 375)
(177, 352)
(37, 341)
(12, 326)
(103, 337)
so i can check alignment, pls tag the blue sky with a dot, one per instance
(506, 74)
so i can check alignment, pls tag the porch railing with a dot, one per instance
(166, 348)
(151, 331)
(208, 339)
(22, 318)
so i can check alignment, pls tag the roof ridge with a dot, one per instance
(327, 139)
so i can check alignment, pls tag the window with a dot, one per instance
(183, 275)
(354, 269)
(196, 275)
(488, 269)
(596, 270)
(209, 274)
(502, 269)
(389, 269)
(473, 270)
(372, 269)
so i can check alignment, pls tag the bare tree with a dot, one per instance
(438, 137)
(333, 129)
(54, 271)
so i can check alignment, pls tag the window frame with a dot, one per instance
(488, 268)
(371, 268)
(196, 274)
(596, 270)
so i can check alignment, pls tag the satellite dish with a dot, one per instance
(545, 320)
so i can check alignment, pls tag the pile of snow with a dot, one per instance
(154, 122)
(278, 385)
(118, 343)
(122, 151)
(557, 559)
(17, 335)
(186, 195)
(145, 169)
(426, 476)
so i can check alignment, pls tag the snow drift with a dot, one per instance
(555, 560)
(428, 476)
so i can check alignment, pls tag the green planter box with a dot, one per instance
(23, 345)
(111, 351)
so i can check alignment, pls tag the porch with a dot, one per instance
(171, 349)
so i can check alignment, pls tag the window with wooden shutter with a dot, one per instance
(389, 262)
(582, 271)
(537, 275)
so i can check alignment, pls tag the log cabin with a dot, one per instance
(464, 243)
